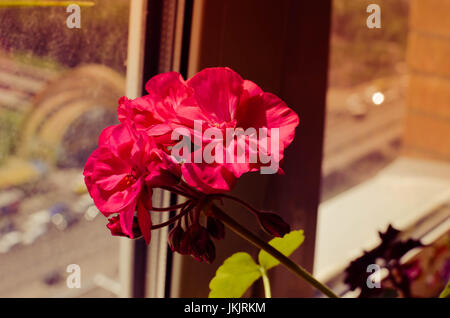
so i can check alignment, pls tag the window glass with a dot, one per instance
(61, 72)
(366, 94)
(365, 112)
(386, 158)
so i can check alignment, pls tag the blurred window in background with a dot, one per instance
(58, 89)
(366, 93)
(386, 158)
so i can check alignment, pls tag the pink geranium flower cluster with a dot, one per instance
(135, 156)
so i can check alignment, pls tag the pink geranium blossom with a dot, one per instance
(120, 175)
(220, 99)
(137, 156)
(155, 112)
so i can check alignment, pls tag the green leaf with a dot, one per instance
(234, 276)
(446, 292)
(286, 245)
(240, 271)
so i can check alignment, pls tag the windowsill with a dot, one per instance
(401, 194)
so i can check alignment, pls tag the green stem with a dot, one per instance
(266, 283)
(255, 240)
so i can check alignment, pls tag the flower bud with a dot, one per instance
(175, 237)
(210, 252)
(273, 224)
(116, 229)
(199, 240)
(185, 243)
(198, 244)
(215, 228)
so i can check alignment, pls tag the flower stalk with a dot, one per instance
(259, 243)
(266, 283)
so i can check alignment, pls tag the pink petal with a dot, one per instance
(145, 221)
(109, 183)
(208, 178)
(123, 110)
(267, 110)
(126, 221)
(250, 89)
(105, 135)
(217, 91)
(171, 90)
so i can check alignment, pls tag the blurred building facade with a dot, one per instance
(427, 120)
